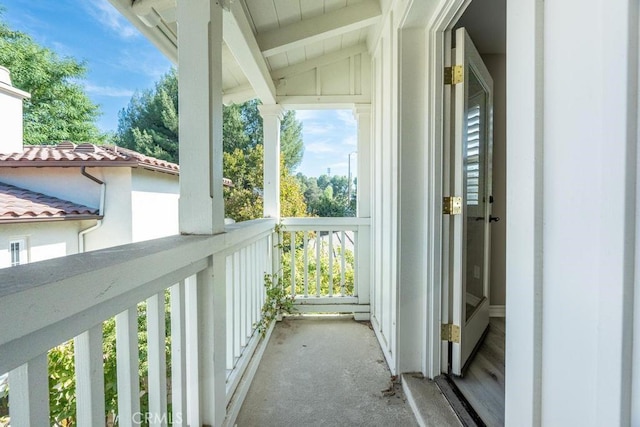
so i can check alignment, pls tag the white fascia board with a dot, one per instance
(237, 34)
(239, 38)
(14, 91)
(167, 46)
(322, 102)
(319, 28)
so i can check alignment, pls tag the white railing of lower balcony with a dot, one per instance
(325, 264)
(45, 304)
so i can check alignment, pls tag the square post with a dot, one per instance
(202, 203)
(271, 117)
(362, 113)
(200, 108)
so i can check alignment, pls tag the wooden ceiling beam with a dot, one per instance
(319, 28)
(242, 43)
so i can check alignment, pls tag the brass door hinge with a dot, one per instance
(453, 75)
(452, 205)
(450, 332)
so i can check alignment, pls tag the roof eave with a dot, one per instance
(22, 220)
(66, 163)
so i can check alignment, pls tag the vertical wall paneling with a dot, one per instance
(385, 203)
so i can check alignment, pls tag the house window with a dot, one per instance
(18, 252)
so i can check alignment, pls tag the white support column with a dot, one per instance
(271, 117)
(362, 113)
(200, 103)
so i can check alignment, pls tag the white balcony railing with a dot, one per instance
(45, 304)
(212, 289)
(326, 264)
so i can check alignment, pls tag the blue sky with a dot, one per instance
(120, 61)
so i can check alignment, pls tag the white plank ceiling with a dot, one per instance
(286, 32)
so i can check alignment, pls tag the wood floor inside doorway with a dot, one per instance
(483, 383)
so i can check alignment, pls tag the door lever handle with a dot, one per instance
(491, 218)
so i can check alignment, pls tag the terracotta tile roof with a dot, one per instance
(20, 205)
(67, 154)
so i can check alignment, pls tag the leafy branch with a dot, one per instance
(277, 302)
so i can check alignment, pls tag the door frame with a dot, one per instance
(437, 165)
(525, 96)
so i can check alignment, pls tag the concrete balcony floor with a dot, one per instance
(324, 372)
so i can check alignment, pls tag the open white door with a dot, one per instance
(471, 169)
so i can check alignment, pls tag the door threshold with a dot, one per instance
(461, 406)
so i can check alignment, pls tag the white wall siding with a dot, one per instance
(572, 176)
(412, 204)
(154, 205)
(385, 190)
(343, 77)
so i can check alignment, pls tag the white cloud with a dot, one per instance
(309, 114)
(350, 140)
(143, 63)
(103, 12)
(62, 49)
(346, 117)
(320, 147)
(108, 91)
(340, 165)
(313, 128)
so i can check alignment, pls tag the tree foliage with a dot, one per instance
(327, 196)
(244, 200)
(59, 108)
(149, 125)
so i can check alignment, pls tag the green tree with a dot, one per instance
(59, 108)
(327, 196)
(291, 143)
(149, 124)
(244, 200)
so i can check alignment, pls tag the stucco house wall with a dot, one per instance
(154, 205)
(63, 183)
(139, 204)
(115, 229)
(45, 240)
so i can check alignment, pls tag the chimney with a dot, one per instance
(11, 132)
